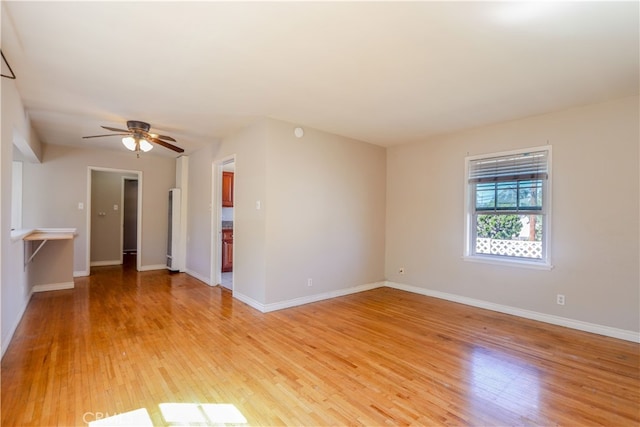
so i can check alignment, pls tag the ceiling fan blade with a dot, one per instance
(165, 137)
(166, 145)
(99, 136)
(115, 129)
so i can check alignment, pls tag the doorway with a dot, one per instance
(113, 217)
(224, 175)
(129, 221)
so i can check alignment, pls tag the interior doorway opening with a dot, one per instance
(129, 222)
(114, 217)
(224, 175)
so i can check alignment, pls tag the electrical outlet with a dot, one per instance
(309, 282)
(560, 299)
(401, 270)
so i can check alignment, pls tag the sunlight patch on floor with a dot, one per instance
(184, 414)
(207, 413)
(139, 417)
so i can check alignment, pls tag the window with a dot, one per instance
(508, 205)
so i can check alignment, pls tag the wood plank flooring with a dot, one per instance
(121, 341)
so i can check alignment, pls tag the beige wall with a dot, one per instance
(249, 234)
(14, 288)
(198, 261)
(322, 212)
(52, 265)
(248, 145)
(53, 189)
(595, 229)
(325, 212)
(14, 292)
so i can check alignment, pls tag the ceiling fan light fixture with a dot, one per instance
(145, 145)
(136, 144)
(129, 142)
(137, 138)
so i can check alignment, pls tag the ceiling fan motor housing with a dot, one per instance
(139, 126)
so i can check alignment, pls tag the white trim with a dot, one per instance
(36, 288)
(527, 314)
(216, 222)
(152, 267)
(139, 226)
(80, 273)
(265, 308)
(122, 182)
(508, 262)
(54, 230)
(467, 254)
(52, 287)
(508, 153)
(14, 327)
(216, 218)
(17, 235)
(198, 276)
(138, 174)
(105, 263)
(182, 182)
(249, 301)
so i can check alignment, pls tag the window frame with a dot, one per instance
(470, 229)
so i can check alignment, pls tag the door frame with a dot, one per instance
(216, 219)
(138, 174)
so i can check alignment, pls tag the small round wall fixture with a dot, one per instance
(298, 132)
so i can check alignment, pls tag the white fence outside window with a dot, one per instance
(515, 248)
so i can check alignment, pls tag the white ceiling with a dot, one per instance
(381, 72)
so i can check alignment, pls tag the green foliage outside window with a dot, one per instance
(501, 227)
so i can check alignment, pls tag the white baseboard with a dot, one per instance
(14, 327)
(265, 308)
(249, 301)
(104, 263)
(527, 314)
(153, 267)
(80, 273)
(198, 276)
(52, 287)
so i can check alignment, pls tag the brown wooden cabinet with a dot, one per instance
(227, 189)
(227, 251)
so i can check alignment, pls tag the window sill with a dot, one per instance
(536, 265)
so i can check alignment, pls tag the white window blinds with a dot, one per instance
(515, 167)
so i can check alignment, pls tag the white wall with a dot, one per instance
(53, 189)
(595, 222)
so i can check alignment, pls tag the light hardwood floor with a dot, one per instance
(122, 340)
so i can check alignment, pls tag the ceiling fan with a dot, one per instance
(138, 138)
